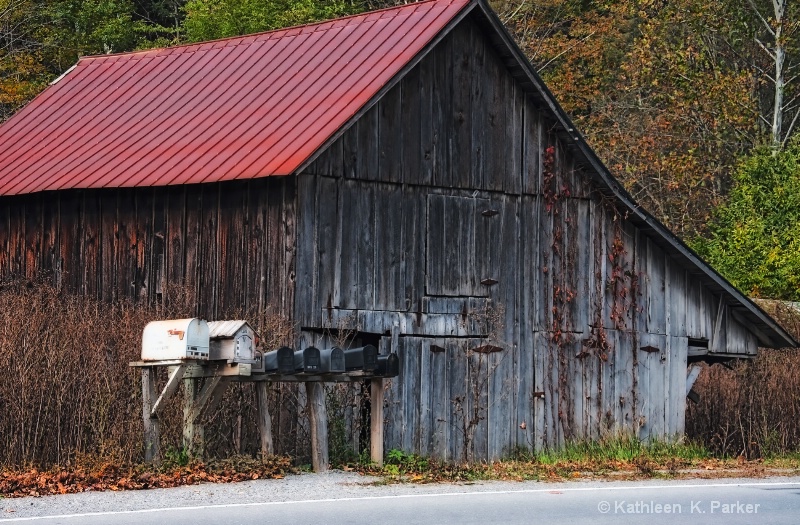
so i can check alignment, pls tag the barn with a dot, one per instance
(403, 175)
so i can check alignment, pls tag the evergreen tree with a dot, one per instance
(754, 239)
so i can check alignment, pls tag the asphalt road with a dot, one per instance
(343, 498)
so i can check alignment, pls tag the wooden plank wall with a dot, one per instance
(228, 245)
(595, 316)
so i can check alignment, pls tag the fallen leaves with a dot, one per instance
(33, 482)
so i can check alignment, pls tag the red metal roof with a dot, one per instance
(237, 108)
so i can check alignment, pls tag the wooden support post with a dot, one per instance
(319, 426)
(152, 440)
(192, 433)
(376, 421)
(208, 397)
(174, 381)
(264, 421)
(196, 403)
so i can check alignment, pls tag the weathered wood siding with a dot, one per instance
(230, 245)
(451, 202)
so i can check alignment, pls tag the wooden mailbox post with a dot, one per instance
(205, 383)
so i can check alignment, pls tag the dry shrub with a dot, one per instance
(753, 408)
(67, 392)
(233, 428)
(66, 387)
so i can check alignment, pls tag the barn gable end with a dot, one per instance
(458, 194)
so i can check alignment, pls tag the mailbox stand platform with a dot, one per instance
(205, 383)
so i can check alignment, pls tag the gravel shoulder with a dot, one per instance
(300, 487)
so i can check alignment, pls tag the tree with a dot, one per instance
(211, 19)
(22, 74)
(40, 39)
(656, 88)
(167, 14)
(754, 239)
(776, 36)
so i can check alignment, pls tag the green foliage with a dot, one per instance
(175, 457)
(40, 39)
(625, 455)
(85, 27)
(754, 239)
(211, 19)
(399, 463)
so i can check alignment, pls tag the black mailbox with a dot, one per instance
(364, 358)
(307, 361)
(280, 361)
(332, 360)
(388, 366)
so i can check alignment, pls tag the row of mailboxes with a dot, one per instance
(334, 360)
(236, 342)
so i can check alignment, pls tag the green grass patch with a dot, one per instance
(615, 458)
(619, 449)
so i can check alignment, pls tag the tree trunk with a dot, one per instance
(780, 57)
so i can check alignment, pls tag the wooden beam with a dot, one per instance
(219, 369)
(713, 345)
(376, 421)
(171, 362)
(173, 383)
(327, 378)
(691, 376)
(693, 396)
(264, 420)
(395, 338)
(763, 338)
(152, 440)
(198, 402)
(206, 394)
(319, 426)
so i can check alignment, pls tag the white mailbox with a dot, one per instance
(233, 341)
(175, 339)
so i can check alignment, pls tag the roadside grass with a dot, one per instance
(616, 458)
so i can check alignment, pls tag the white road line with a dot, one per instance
(397, 496)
